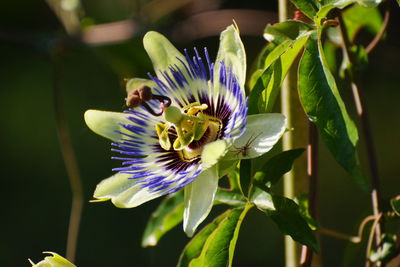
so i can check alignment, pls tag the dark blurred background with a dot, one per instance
(34, 184)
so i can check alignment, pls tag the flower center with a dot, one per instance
(189, 128)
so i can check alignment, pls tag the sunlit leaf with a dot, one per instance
(287, 30)
(277, 166)
(271, 78)
(167, 215)
(309, 7)
(355, 19)
(321, 101)
(302, 201)
(215, 244)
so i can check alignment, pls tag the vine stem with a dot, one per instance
(295, 182)
(353, 239)
(366, 129)
(379, 36)
(71, 165)
(312, 170)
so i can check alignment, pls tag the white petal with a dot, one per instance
(212, 152)
(136, 82)
(231, 51)
(263, 131)
(122, 191)
(106, 123)
(199, 198)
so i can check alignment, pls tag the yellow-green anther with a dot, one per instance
(163, 138)
(200, 128)
(173, 114)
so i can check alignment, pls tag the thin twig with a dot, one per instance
(353, 239)
(379, 36)
(312, 169)
(71, 165)
(366, 129)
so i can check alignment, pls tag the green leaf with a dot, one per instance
(245, 175)
(215, 244)
(308, 7)
(272, 77)
(369, 3)
(355, 19)
(387, 250)
(263, 55)
(287, 30)
(321, 101)
(167, 215)
(277, 166)
(302, 201)
(54, 260)
(229, 197)
(286, 214)
(395, 203)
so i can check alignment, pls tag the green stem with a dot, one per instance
(71, 165)
(294, 182)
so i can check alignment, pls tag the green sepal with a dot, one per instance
(54, 260)
(231, 51)
(215, 244)
(167, 215)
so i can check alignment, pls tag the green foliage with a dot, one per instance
(354, 20)
(289, 38)
(215, 244)
(321, 101)
(167, 215)
(387, 250)
(309, 8)
(277, 166)
(287, 216)
(302, 201)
